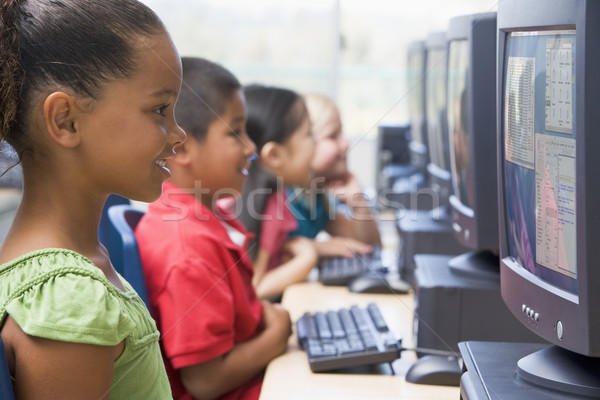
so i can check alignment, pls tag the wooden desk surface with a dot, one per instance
(289, 376)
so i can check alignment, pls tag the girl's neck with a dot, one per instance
(53, 215)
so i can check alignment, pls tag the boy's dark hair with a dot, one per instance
(48, 45)
(206, 88)
(274, 114)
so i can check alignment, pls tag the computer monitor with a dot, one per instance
(416, 64)
(437, 124)
(472, 131)
(548, 121)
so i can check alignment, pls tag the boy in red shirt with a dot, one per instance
(217, 337)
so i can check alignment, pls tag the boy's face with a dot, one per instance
(220, 161)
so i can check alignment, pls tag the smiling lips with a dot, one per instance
(162, 164)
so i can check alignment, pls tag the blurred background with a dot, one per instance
(353, 51)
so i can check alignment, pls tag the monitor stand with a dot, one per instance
(424, 232)
(480, 264)
(558, 369)
(494, 371)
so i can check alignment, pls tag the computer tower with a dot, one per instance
(451, 308)
(420, 233)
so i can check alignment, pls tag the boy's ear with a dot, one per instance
(271, 155)
(60, 116)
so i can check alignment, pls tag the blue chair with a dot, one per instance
(104, 227)
(123, 249)
(6, 385)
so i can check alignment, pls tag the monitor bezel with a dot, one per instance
(521, 290)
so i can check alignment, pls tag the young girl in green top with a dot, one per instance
(87, 97)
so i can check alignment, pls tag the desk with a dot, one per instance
(289, 376)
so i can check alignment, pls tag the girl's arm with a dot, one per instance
(302, 259)
(362, 225)
(50, 369)
(223, 374)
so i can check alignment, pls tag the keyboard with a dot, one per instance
(348, 337)
(340, 271)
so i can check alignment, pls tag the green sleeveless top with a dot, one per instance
(61, 295)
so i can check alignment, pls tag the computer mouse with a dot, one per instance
(435, 370)
(378, 284)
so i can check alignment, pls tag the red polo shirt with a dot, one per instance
(199, 283)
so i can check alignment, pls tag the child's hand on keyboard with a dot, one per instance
(339, 246)
(278, 325)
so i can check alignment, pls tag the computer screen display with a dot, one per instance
(416, 95)
(458, 122)
(435, 96)
(540, 139)
(472, 129)
(416, 64)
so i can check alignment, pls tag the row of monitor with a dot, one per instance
(503, 122)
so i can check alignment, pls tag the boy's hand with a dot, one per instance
(277, 321)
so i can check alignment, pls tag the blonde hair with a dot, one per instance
(320, 108)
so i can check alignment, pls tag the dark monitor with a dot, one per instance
(416, 63)
(548, 191)
(472, 129)
(435, 113)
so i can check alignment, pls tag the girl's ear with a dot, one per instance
(271, 155)
(60, 118)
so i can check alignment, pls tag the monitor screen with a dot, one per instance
(416, 63)
(472, 130)
(458, 121)
(416, 94)
(438, 169)
(548, 192)
(435, 97)
(540, 137)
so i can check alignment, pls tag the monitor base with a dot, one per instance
(558, 369)
(491, 373)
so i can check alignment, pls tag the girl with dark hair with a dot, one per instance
(279, 125)
(87, 98)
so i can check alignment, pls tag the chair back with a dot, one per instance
(104, 227)
(6, 385)
(123, 249)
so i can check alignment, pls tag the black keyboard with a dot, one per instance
(340, 271)
(348, 337)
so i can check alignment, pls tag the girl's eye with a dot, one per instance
(236, 134)
(161, 110)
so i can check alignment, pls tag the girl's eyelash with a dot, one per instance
(160, 110)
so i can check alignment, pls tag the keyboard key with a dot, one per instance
(378, 320)
(323, 326)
